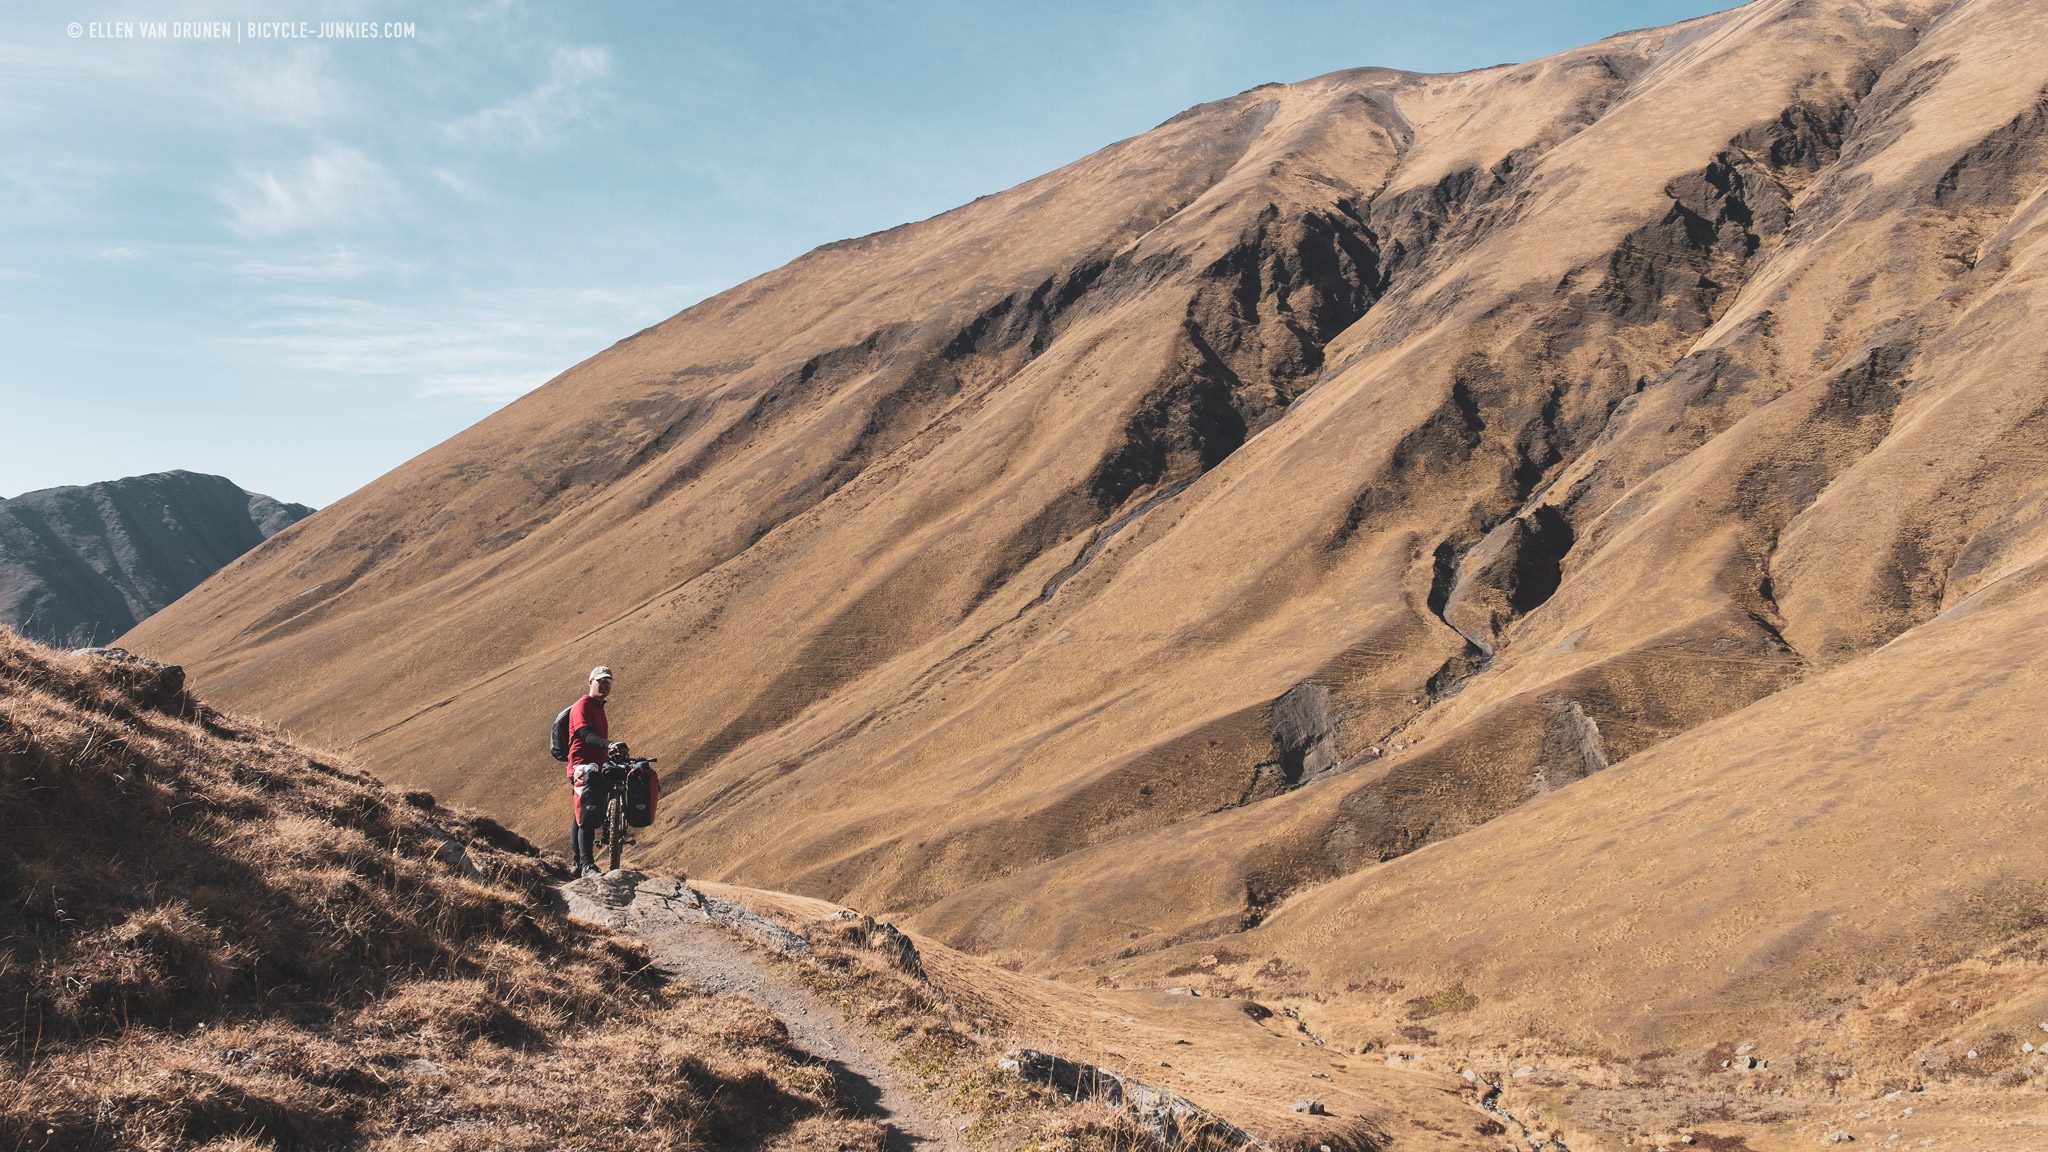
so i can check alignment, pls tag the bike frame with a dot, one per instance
(612, 829)
(615, 818)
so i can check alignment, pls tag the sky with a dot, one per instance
(298, 261)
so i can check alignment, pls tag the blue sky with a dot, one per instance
(299, 262)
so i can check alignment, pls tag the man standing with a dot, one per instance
(589, 745)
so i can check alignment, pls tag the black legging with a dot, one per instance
(583, 843)
(583, 835)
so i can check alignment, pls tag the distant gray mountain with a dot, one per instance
(82, 565)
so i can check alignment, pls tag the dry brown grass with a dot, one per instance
(212, 936)
(952, 1036)
(950, 1046)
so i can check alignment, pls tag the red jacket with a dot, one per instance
(587, 713)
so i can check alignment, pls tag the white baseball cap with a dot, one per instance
(600, 673)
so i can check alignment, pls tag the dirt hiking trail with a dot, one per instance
(698, 940)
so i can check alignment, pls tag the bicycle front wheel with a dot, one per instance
(615, 819)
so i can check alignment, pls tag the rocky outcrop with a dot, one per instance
(1303, 722)
(152, 684)
(1509, 573)
(880, 936)
(85, 564)
(1174, 1121)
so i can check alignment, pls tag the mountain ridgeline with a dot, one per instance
(81, 565)
(1541, 465)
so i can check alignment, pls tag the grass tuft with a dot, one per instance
(214, 937)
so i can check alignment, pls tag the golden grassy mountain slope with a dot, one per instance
(212, 936)
(1181, 539)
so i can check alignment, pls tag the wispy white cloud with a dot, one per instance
(333, 262)
(120, 253)
(335, 186)
(459, 184)
(54, 187)
(43, 82)
(575, 85)
(488, 346)
(173, 85)
(294, 88)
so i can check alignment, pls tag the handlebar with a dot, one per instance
(611, 768)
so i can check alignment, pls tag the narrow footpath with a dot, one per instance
(698, 940)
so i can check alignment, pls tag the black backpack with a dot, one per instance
(558, 739)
